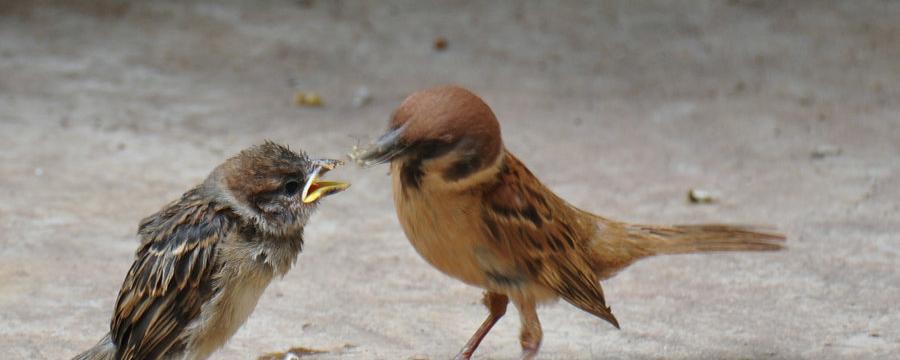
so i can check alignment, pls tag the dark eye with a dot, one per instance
(291, 187)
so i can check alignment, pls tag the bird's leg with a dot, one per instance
(496, 304)
(531, 334)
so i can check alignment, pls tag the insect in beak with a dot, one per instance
(386, 148)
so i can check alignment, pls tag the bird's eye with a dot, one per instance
(291, 187)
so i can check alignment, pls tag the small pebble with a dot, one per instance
(38, 172)
(440, 43)
(307, 98)
(825, 151)
(696, 196)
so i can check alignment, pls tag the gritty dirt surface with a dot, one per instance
(789, 112)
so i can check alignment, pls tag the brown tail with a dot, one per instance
(623, 244)
(686, 239)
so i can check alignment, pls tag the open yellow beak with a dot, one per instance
(314, 189)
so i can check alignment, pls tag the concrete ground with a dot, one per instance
(789, 112)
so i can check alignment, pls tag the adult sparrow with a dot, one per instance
(476, 213)
(205, 259)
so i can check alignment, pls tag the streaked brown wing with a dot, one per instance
(545, 236)
(170, 278)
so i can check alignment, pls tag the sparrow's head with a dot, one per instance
(272, 187)
(446, 131)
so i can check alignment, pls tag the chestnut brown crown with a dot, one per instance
(447, 123)
(448, 114)
(264, 168)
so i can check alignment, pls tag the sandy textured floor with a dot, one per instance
(789, 112)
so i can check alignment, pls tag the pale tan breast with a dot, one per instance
(233, 306)
(247, 269)
(444, 228)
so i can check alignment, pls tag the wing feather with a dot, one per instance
(169, 280)
(546, 237)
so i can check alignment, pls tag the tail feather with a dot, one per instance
(622, 244)
(686, 239)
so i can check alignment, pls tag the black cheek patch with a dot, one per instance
(462, 168)
(470, 161)
(431, 149)
(411, 174)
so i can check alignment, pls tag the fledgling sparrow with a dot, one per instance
(205, 259)
(476, 213)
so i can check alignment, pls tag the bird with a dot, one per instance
(205, 258)
(475, 212)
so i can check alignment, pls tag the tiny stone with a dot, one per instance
(298, 97)
(307, 98)
(312, 99)
(38, 172)
(440, 43)
(696, 196)
(825, 151)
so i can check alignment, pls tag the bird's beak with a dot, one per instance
(386, 148)
(314, 189)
